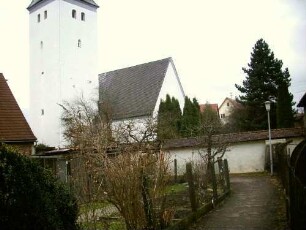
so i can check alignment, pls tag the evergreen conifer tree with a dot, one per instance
(284, 112)
(264, 76)
(169, 118)
(191, 118)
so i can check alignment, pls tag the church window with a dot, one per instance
(41, 44)
(83, 16)
(73, 13)
(79, 43)
(38, 18)
(45, 14)
(42, 112)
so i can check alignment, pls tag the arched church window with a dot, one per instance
(73, 13)
(41, 44)
(83, 16)
(38, 18)
(45, 14)
(79, 43)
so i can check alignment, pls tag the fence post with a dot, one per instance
(175, 170)
(213, 180)
(221, 173)
(146, 200)
(192, 194)
(226, 173)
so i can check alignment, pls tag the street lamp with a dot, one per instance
(268, 106)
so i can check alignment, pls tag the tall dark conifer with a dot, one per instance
(264, 75)
(168, 120)
(284, 112)
(191, 118)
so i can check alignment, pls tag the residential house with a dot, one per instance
(134, 93)
(14, 129)
(226, 108)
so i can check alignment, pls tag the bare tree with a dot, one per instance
(211, 147)
(127, 169)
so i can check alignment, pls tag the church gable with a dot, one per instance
(134, 91)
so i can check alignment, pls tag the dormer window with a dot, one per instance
(73, 13)
(38, 18)
(83, 16)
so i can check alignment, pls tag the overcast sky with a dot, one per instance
(209, 40)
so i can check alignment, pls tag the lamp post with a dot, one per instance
(268, 106)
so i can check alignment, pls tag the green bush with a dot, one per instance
(30, 197)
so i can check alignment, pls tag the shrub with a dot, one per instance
(30, 197)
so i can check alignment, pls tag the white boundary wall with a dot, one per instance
(242, 157)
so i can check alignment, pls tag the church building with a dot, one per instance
(63, 61)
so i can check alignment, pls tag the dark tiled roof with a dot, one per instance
(235, 137)
(89, 2)
(302, 102)
(214, 107)
(13, 125)
(133, 91)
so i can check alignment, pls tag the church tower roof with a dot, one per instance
(88, 2)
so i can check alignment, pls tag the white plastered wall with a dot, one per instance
(242, 157)
(171, 86)
(59, 69)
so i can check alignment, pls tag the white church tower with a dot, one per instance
(63, 61)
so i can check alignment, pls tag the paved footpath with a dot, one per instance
(256, 202)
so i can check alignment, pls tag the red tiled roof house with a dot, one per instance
(14, 129)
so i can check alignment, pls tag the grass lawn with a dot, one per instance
(176, 188)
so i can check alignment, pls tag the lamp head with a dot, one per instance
(268, 105)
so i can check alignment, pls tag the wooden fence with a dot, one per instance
(289, 170)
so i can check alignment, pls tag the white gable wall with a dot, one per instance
(225, 110)
(138, 125)
(171, 86)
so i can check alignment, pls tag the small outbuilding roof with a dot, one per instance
(13, 125)
(235, 137)
(88, 2)
(302, 102)
(133, 91)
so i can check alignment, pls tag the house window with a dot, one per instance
(222, 115)
(79, 43)
(73, 13)
(42, 112)
(83, 16)
(227, 104)
(38, 18)
(45, 14)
